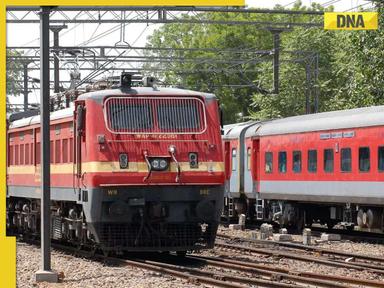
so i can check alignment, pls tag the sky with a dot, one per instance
(136, 34)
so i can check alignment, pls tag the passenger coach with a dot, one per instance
(325, 167)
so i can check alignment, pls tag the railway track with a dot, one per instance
(222, 271)
(311, 254)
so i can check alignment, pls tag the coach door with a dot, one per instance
(252, 168)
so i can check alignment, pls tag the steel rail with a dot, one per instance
(237, 265)
(305, 258)
(211, 278)
(308, 248)
(343, 279)
(224, 280)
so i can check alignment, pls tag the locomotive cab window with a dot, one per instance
(328, 160)
(380, 155)
(312, 161)
(296, 161)
(346, 160)
(268, 162)
(364, 159)
(234, 159)
(282, 161)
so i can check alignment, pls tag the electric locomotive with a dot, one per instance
(132, 169)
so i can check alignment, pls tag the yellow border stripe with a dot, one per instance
(7, 244)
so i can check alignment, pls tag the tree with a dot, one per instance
(14, 72)
(350, 64)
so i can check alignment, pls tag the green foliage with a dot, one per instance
(351, 64)
(14, 74)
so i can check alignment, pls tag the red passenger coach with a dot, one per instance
(325, 167)
(132, 169)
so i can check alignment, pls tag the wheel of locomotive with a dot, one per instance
(181, 253)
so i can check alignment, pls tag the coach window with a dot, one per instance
(296, 161)
(364, 162)
(312, 161)
(268, 162)
(328, 160)
(234, 159)
(380, 154)
(282, 161)
(249, 158)
(346, 160)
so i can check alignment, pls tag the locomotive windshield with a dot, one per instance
(130, 115)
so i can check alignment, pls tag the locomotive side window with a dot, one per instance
(249, 158)
(312, 161)
(70, 149)
(364, 161)
(346, 160)
(328, 160)
(57, 151)
(296, 161)
(268, 162)
(10, 159)
(380, 154)
(16, 154)
(26, 158)
(21, 161)
(52, 154)
(38, 151)
(282, 161)
(65, 150)
(234, 159)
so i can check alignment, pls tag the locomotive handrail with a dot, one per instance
(149, 166)
(172, 150)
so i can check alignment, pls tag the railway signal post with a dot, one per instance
(45, 274)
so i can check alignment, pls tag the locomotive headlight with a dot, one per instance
(193, 160)
(159, 164)
(163, 164)
(155, 164)
(123, 160)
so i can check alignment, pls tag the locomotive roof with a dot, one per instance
(143, 91)
(342, 119)
(101, 94)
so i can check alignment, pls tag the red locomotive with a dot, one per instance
(133, 168)
(325, 167)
